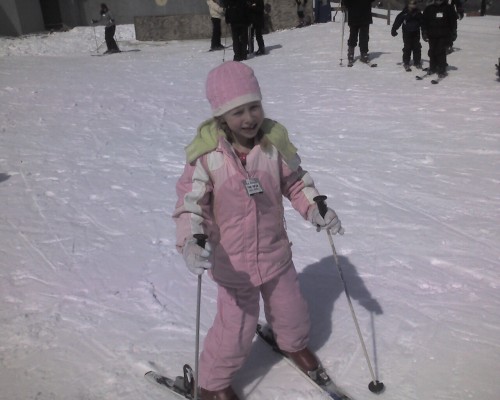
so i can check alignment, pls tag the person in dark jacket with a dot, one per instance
(322, 11)
(257, 16)
(359, 18)
(438, 25)
(109, 30)
(411, 19)
(301, 4)
(459, 9)
(238, 16)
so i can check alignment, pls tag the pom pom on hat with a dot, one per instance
(231, 85)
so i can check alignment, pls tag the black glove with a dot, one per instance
(461, 14)
(425, 37)
(394, 33)
(454, 36)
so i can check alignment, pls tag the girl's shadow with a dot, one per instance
(321, 286)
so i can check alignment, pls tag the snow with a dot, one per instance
(93, 291)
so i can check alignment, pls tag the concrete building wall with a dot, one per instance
(20, 16)
(30, 16)
(9, 19)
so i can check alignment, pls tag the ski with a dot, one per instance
(318, 378)
(372, 65)
(181, 386)
(422, 77)
(367, 62)
(115, 52)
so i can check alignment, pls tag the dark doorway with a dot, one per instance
(51, 14)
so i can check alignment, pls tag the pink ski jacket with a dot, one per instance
(250, 244)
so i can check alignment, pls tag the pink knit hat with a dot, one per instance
(231, 85)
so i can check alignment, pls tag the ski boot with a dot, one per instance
(364, 58)
(305, 360)
(224, 394)
(350, 56)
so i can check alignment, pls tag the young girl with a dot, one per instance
(239, 167)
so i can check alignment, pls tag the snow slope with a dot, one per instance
(93, 292)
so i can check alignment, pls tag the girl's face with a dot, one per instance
(245, 121)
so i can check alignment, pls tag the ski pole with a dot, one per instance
(225, 41)
(201, 240)
(95, 38)
(342, 36)
(374, 386)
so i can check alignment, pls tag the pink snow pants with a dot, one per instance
(229, 340)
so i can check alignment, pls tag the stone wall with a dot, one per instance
(173, 27)
(184, 26)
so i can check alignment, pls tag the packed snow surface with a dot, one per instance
(93, 291)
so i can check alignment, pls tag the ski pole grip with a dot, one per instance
(322, 207)
(201, 239)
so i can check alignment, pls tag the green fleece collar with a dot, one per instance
(207, 139)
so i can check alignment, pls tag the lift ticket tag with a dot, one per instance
(252, 185)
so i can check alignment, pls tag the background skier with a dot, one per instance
(411, 19)
(238, 16)
(459, 8)
(438, 25)
(109, 30)
(257, 8)
(359, 19)
(216, 14)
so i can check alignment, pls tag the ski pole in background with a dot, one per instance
(201, 240)
(374, 386)
(342, 36)
(95, 38)
(225, 41)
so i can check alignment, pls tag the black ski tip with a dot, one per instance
(373, 65)
(376, 387)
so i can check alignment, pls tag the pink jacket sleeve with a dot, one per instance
(193, 213)
(298, 186)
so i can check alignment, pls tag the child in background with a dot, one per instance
(239, 167)
(411, 19)
(438, 26)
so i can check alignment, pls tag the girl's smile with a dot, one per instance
(244, 123)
